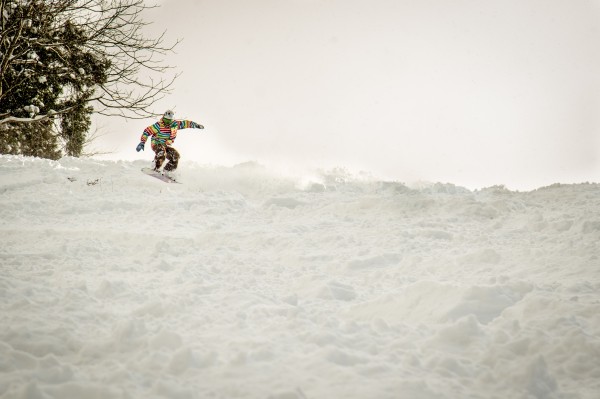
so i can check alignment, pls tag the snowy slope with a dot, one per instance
(243, 284)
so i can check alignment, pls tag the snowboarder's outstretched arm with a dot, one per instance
(185, 124)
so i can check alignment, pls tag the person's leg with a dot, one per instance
(160, 154)
(173, 157)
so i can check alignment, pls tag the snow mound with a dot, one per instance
(245, 283)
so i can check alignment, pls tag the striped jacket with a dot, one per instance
(165, 134)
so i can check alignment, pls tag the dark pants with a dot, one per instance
(161, 152)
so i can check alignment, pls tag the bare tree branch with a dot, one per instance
(5, 118)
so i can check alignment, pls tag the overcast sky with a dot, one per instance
(471, 92)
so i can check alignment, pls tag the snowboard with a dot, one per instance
(159, 175)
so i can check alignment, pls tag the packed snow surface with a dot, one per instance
(242, 283)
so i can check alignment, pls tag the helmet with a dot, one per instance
(168, 115)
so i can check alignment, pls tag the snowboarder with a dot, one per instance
(163, 134)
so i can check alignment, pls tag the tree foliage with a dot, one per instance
(63, 60)
(36, 139)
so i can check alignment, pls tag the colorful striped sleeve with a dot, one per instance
(151, 130)
(184, 124)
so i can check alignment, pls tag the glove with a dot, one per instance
(197, 126)
(140, 146)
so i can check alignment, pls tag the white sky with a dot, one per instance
(470, 92)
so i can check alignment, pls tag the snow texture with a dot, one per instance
(242, 283)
